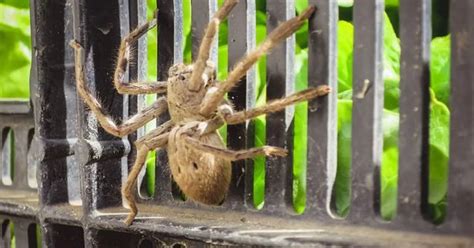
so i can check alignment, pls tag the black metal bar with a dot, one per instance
(202, 11)
(53, 97)
(322, 113)
(99, 26)
(20, 180)
(415, 36)
(6, 134)
(21, 233)
(241, 39)
(5, 237)
(137, 71)
(170, 51)
(367, 109)
(460, 216)
(279, 126)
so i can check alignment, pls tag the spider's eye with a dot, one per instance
(181, 77)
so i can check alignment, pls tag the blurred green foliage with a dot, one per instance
(15, 49)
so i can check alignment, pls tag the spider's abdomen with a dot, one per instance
(201, 176)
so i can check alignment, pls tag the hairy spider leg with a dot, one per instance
(157, 138)
(205, 48)
(283, 31)
(123, 59)
(273, 106)
(130, 125)
(232, 155)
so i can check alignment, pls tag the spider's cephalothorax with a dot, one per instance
(184, 103)
(199, 161)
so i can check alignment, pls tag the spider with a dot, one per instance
(199, 161)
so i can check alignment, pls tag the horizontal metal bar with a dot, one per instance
(15, 106)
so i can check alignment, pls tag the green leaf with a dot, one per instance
(391, 71)
(342, 186)
(345, 46)
(439, 157)
(392, 3)
(389, 168)
(259, 164)
(440, 66)
(15, 48)
(300, 137)
(19, 4)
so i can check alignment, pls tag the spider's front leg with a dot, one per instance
(205, 48)
(133, 123)
(155, 139)
(283, 31)
(123, 61)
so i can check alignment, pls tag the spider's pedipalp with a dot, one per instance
(205, 48)
(283, 31)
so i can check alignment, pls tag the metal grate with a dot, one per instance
(80, 168)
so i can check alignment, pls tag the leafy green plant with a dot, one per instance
(439, 122)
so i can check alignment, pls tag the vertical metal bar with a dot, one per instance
(52, 92)
(202, 11)
(20, 180)
(21, 233)
(322, 113)
(279, 126)
(137, 71)
(241, 39)
(54, 121)
(170, 51)
(99, 26)
(367, 108)
(5, 235)
(415, 36)
(461, 174)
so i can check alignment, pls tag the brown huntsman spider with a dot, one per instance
(198, 159)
